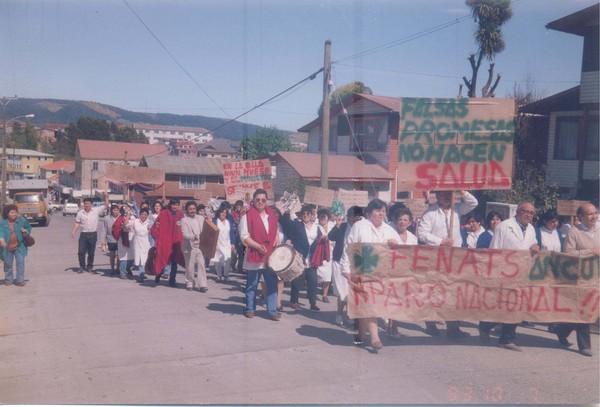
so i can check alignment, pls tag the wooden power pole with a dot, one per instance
(325, 124)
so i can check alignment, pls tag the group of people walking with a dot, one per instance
(156, 240)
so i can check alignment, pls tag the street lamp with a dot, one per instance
(4, 157)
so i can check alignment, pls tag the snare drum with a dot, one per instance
(286, 262)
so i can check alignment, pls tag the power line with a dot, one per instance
(174, 59)
(404, 40)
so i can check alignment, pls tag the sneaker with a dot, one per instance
(203, 289)
(358, 340)
(20, 284)
(326, 299)
(511, 346)
(295, 305)
(249, 314)
(586, 352)
(7, 283)
(314, 308)
(276, 316)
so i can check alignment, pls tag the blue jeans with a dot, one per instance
(8, 265)
(252, 279)
(124, 266)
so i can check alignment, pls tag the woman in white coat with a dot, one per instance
(140, 241)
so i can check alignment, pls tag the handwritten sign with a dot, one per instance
(353, 198)
(455, 144)
(568, 208)
(242, 178)
(319, 196)
(133, 175)
(414, 283)
(416, 205)
(289, 202)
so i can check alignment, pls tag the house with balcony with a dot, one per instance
(569, 120)
(23, 164)
(170, 134)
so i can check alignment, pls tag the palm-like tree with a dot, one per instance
(489, 15)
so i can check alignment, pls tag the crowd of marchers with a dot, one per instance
(154, 240)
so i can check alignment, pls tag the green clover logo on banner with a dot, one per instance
(366, 261)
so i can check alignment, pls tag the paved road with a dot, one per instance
(68, 338)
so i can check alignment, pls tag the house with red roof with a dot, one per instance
(91, 157)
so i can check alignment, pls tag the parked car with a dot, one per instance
(55, 207)
(70, 209)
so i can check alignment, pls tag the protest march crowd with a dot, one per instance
(310, 247)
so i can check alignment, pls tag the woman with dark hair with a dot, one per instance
(225, 243)
(12, 229)
(492, 220)
(373, 230)
(547, 233)
(474, 219)
(324, 271)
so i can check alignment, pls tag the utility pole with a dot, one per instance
(325, 123)
(5, 101)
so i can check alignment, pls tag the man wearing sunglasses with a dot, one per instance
(259, 233)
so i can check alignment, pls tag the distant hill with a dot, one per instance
(68, 111)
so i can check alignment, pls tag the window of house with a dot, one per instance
(94, 183)
(192, 182)
(591, 144)
(95, 165)
(370, 133)
(565, 141)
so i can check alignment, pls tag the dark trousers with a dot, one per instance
(507, 334)
(173, 273)
(583, 333)
(87, 245)
(310, 274)
(451, 326)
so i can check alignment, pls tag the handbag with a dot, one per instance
(28, 240)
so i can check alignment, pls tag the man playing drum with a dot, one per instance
(259, 233)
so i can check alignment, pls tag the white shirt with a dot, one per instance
(89, 220)
(473, 236)
(508, 235)
(434, 225)
(550, 239)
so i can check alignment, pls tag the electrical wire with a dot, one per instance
(404, 40)
(175, 59)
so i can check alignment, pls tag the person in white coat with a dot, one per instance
(434, 230)
(513, 234)
(140, 241)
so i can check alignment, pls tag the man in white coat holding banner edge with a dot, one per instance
(515, 234)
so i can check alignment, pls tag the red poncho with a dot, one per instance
(166, 231)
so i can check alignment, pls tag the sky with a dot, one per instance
(222, 58)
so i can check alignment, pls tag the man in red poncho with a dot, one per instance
(168, 238)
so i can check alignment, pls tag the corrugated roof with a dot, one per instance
(219, 145)
(186, 165)
(341, 167)
(115, 150)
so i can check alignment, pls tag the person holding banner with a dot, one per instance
(259, 231)
(582, 240)
(304, 235)
(513, 234)
(372, 230)
(340, 272)
(440, 226)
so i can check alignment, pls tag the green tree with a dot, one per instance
(489, 15)
(345, 90)
(264, 141)
(24, 137)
